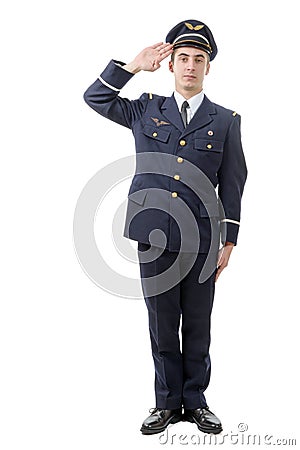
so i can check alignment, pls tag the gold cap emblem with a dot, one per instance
(191, 27)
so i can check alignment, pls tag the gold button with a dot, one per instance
(176, 177)
(179, 159)
(210, 133)
(174, 194)
(154, 134)
(209, 146)
(182, 143)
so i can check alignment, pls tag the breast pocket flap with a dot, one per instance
(158, 134)
(208, 145)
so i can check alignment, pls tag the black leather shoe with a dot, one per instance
(205, 420)
(159, 419)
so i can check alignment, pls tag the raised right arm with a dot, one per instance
(103, 94)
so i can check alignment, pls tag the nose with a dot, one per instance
(190, 65)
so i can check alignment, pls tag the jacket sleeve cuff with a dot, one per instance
(229, 231)
(114, 76)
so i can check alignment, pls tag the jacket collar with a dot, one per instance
(202, 117)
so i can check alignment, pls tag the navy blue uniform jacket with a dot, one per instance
(172, 197)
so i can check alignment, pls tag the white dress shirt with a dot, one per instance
(194, 103)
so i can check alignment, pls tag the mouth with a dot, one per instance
(189, 77)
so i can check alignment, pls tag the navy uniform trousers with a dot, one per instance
(182, 366)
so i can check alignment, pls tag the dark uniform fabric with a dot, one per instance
(174, 191)
(211, 144)
(181, 374)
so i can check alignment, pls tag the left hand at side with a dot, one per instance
(223, 258)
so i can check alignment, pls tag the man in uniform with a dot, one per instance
(173, 213)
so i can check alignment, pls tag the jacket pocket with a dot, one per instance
(157, 134)
(208, 145)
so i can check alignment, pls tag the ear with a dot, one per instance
(207, 69)
(171, 66)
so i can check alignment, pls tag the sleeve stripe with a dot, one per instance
(109, 85)
(231, 221)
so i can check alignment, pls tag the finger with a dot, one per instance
(221, 260)
(162, 44)
(164, 55)
(220, 254)
(165, 48)
(155, 46)
(161, 58)
(161, 49)
(219, 271)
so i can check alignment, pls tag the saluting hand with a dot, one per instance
(150, 58)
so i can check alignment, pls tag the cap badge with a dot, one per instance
(191, 27)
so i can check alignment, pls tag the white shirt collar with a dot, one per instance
(194, 102)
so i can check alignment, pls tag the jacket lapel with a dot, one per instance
(202, 117)
(170, 110)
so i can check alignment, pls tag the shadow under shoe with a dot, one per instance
(206, 421)
(159, 419)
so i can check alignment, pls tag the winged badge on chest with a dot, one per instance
(159, 122)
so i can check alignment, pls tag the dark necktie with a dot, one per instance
(184, 107)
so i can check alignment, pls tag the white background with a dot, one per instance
(77, 370)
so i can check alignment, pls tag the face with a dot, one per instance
(189, 67)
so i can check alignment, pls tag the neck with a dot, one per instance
(188, 94)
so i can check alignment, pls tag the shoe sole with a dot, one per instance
(148, 431)
(204, 429)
